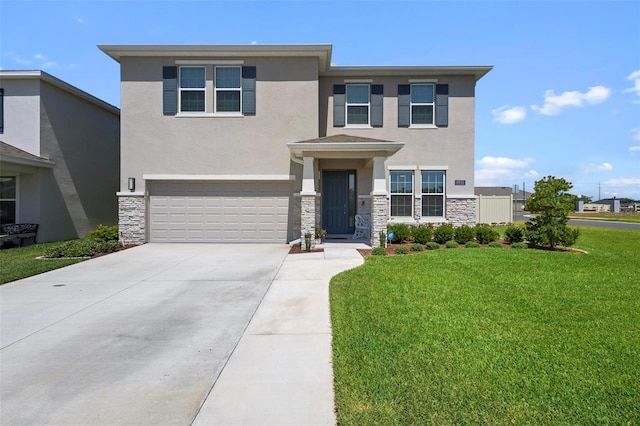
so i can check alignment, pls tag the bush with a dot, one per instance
(105, 233)
(451, 244)
(463, 234)
(443, 233)
(485, 234)
(400, 232)
(494, 244)
(422, 234)
(383, 239)
(513, 234)
(551, 235)
(401, 250)
(519, 245)
(416, 247)
(432, 245)
(379, 251)
(82, 248)
(472, 244)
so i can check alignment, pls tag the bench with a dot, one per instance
(19, 231)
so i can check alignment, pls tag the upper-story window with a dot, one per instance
(357, 104)
(228, 89)
(192, 89)
(422, 104)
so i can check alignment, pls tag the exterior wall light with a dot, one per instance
(132, 184)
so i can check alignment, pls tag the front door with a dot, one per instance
(338, 201)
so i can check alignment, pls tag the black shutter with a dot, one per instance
(442, 105)
(339, 100)
(169, 90)
(1, 110)
(377, 92)
(249, 90)
(404, 105)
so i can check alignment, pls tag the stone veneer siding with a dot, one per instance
(307, 216)
(461, 211)
(131, 219)
(379, 218)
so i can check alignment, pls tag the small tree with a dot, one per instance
(553, 204)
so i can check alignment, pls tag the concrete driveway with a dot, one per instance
(155, 323)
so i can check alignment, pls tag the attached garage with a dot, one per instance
(201, 211)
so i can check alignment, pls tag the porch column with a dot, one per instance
(307, 200)
(379, 203)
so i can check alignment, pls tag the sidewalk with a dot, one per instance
(280, 372)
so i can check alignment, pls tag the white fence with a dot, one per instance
(494, 209)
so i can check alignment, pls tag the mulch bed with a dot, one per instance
(296, 249)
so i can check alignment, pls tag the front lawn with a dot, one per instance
(608, 217)
(491, 336)
(21, 262)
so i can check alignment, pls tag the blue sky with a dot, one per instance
(563, 98)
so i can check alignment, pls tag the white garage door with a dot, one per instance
(219, 212)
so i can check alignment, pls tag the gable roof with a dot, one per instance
(493, 190)
(11, 154)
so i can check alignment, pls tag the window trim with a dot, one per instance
(16, 199)
(217, 89)
(191, 89)
(441, 194)
(410, 195)
(431, 125)
(347, 104)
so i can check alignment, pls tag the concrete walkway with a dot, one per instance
(281, 372)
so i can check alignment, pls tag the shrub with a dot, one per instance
(494, 244)
(519, 245)
(379, 251)
(105, 233)
(422, 234)
(82, 248)
(443, 233)
(400, 232)
(463, 234)
(451, 244)
(472, 244)
(432, 245)
(485, 234)
(513, 234)
(401, 250)
(383, 239)
(416, 247)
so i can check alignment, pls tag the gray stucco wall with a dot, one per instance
(152, 143)
(21, 114)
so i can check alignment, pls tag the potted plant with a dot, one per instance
(319, 233)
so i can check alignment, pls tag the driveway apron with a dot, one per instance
(135, 337)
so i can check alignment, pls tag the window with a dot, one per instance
(192, 90)
(7, 200)
(1, 110)
(228, 89)
(358, 104)
(422, 104)
(433, 193)
(401, 193)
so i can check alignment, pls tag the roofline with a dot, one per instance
(46, 164)
(299, 148)
(321, 51)
(48, 78)
(478, 71)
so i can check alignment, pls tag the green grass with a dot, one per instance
(18, 263)
(608, 217)
(491, 336)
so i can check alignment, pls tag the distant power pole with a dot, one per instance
(599, 197)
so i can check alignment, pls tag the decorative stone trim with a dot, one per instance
(307, 216)
(379, 218)
(131, 219)
(461, 211)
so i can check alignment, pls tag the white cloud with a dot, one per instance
(21, 61)
(503, 171)
(39, 57)
(633, 149)
(635, 78)
(623, 182)
(254, 42)
(509, 115)
(504, 162)
(595, 168)
(82, 21)
(635, 133)
(553, 104)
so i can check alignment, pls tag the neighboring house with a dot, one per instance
(520, 199)
(267, 142)
(59, 156)
(605, 205)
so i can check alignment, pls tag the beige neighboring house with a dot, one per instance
(264, 143)
(59, 156)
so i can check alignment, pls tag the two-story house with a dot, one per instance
(59, 156)
(264, 143)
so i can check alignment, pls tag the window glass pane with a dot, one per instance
(7, 187)
(401, 205)
(432, 182)
(228, 100)
(358, 115)
(422, 93)
(192, 100)
(358, 94)
(228, 77)
(192, 77)
(422, 114)
(432, 205)
(402, 182)
(7, 212)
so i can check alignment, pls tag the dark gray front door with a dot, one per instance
(338, 201)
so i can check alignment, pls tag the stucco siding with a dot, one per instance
(21, 114)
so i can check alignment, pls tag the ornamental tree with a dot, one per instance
(553, 203)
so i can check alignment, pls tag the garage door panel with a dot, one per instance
(219, 212)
